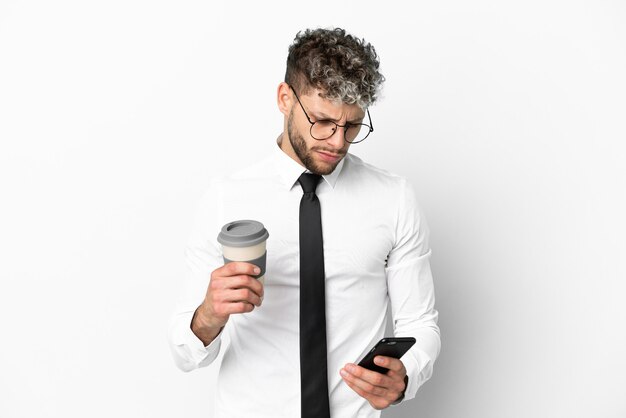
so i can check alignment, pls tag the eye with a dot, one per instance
(328, 124)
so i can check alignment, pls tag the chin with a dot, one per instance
(323, 168)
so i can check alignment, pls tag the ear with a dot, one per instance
(284, 98)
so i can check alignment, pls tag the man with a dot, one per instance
(374, 252)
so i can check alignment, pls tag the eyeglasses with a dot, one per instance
(324, 129)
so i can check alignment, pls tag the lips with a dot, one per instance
(329, 157)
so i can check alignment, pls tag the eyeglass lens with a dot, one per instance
(324, 129)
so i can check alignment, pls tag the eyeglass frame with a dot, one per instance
(370, 126)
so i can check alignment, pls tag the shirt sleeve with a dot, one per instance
(202, 256)
(411, 291)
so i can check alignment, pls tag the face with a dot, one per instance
(321, 157)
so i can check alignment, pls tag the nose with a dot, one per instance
(336, 140)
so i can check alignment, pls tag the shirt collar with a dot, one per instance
(289, 170)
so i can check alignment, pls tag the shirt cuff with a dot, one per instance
(418, 368)
(412, 370)
(191, 350)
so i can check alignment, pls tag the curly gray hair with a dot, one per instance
(343, 67)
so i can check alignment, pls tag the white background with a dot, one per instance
(508, 117)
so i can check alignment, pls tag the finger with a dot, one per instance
(238, 282)
(242, 295)
(234, 268)
(370, 376)
(256, 286)
(376, 401)
(243, 268)
(396, 370)
(238, 307)
(373, 383)
(358, 390)
(389, 363)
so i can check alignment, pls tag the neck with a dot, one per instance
(285, 145)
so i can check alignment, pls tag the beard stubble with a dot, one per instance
(306, 155)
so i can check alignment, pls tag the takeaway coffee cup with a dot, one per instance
(245, 241)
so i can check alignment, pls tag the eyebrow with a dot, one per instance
(322, 115)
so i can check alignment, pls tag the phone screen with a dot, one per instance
(390, 347)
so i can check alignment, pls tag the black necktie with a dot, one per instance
(313, 368)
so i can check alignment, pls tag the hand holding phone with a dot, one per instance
(389, 347)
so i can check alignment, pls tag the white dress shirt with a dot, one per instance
(376, 253)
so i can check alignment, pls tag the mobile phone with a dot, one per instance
(390, 347)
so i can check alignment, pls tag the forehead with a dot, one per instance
(330, 108)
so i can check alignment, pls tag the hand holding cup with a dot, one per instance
(237, 286)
